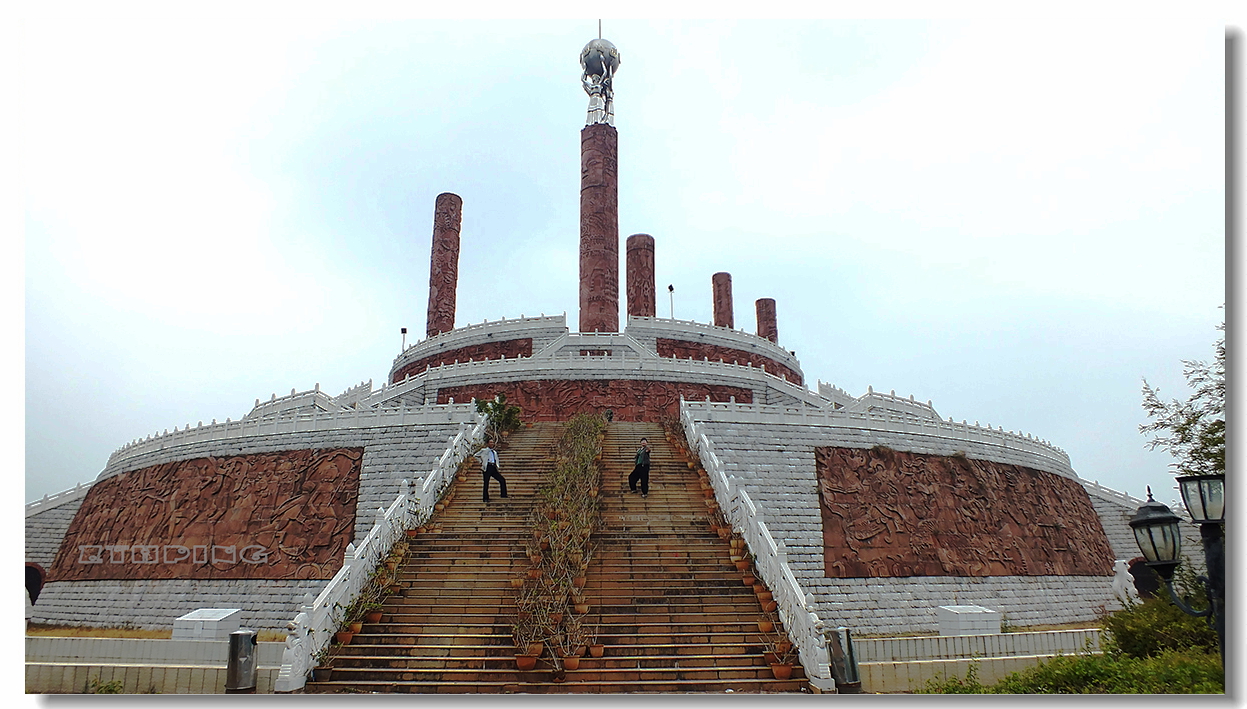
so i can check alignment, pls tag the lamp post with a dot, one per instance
(1156, 531)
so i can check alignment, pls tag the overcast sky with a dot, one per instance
(1016, 221)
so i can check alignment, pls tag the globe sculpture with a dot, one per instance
(599, 60)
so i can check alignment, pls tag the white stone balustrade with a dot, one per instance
(795, 606)
(314, 625)
(1034, 452)
(357, 418)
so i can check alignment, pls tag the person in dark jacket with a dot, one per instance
(641, 471)
(489, 466)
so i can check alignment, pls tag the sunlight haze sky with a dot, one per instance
(1015, 221)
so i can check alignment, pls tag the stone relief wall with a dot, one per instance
(511, 349)
(888, 513)
(640, 269)
(281, 515)
(444, 263)
(599, 229)
(683, 349)
(631, 400)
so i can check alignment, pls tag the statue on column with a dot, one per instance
(599, 60)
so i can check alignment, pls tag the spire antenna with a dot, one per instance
(599, 29)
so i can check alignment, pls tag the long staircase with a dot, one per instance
(668, 604)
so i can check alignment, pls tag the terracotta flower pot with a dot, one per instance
(593, 492)
(783, 646)
(578, 581)
(374, 616)
(597, 650)
(411, 533)
(748, 579)
(556, 617)
(391, 565)
(742, 565)
(357, 626)
(765, 596)
(769, 606)
(571, 662)
(343, 636)
(535, 649)
(322, 674)
(517, 583)
(582, 608)
(535, 558)
(394, 588)
(781, 670)
(724, 533)
(766, 626)
(534, 573)
(526, 663)
(439, 506)
(770, 658)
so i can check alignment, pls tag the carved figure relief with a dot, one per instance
(683, 349)
(599, 230)
(631, 400)
(261, 516)
(444, 263)
(893, 514)
(640, 269)
(520, 347)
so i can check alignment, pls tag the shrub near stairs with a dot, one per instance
(561, 523)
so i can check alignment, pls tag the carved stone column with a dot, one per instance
(766, 319)
(641, 276)
(721, 284)
(599, 229)
(444, 265)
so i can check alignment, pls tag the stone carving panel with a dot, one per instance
(284, 515)
(640, 267)
(893, 514)
(683, 349)
(721, 287)
(444, 266)
(599, 229)
(631, 400)
(511, 349)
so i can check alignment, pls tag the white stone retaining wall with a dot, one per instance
(392, 453)
(67, 665)
(648, 330)
(543, 330)
(774, 461)
(766, 387)
(951, 647)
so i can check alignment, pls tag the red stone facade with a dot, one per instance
(284, 515)
(631, 400)
(444, 266)
(683, 349)
(510, 349)
(599, 229)
(893, 514)
(640, 265)
(767, 326)
(721, 286)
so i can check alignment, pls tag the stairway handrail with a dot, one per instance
(313, 626)
(796, 607)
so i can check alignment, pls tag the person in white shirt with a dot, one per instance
(489, 466)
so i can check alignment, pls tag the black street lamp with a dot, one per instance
(1156, 530)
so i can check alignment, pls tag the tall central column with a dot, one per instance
(721, 287)
(599, 229)
(444, 264)
(599, 192)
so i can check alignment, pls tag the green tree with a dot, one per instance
(502, 417)
(1193, 431)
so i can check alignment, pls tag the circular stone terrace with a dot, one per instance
(640, 374)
